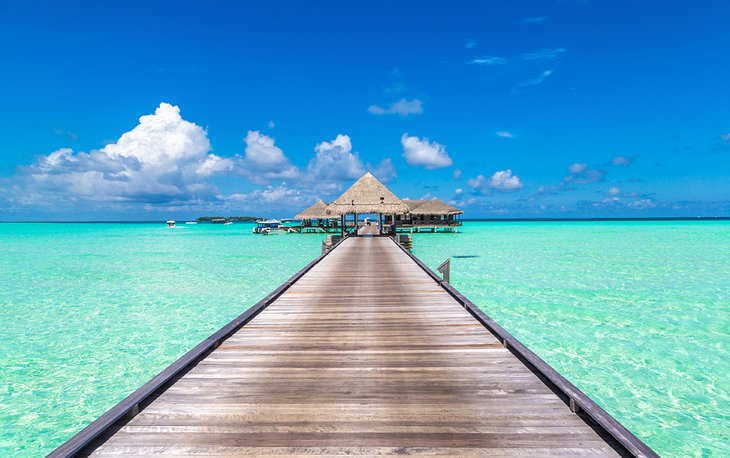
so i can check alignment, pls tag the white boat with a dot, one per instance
(171, 223)
(191, 222)
(269, 227)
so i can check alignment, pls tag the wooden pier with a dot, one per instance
(363, 352)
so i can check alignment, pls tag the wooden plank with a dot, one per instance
(364, 353)
(602, 419)
(228, 451)
(132, 403)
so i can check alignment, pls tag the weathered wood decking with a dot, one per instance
(370, 229)
(364, 354)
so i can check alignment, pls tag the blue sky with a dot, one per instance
(155, 110)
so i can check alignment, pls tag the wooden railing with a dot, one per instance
(579, 402)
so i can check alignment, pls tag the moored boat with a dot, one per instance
(270, 226)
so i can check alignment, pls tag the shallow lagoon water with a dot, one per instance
(90, 312)
(636, 314)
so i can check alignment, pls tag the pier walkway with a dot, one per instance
(364, 354)
(370, 229)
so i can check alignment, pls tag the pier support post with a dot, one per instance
(445, 269)
(133, 412)
(574, 407)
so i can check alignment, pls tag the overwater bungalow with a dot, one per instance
(432, 215)
(367, 196)
(316, 219)
(370, 202)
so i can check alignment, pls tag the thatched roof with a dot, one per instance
(367, 195)
(435, 207)
(318, 210)
(413, 204)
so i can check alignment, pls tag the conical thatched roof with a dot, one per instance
(435, 207)
(367, 195)
(318, 210)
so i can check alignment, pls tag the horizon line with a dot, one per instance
(547, 219)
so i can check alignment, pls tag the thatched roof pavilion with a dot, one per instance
(435, 207)
(413, 204)
(318, 210)
(367, 195)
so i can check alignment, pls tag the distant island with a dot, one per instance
(209, 219)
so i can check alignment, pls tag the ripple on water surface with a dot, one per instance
(92, 311)
(636, 314)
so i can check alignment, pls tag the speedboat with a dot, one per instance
(270, 226)
(171, 223)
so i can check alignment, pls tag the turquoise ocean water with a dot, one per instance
(636, 314)
(90, 312)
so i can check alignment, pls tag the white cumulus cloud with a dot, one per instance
(161, 138)
(215, 165)
(402, 107)
(501, 180)
(263, 161)
(334, 160)
(504, 134)
(580, 173)
(164, 158)
(262, 153)
(420, 152)
(478, 183)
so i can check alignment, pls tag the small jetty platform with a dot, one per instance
(363, 352)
